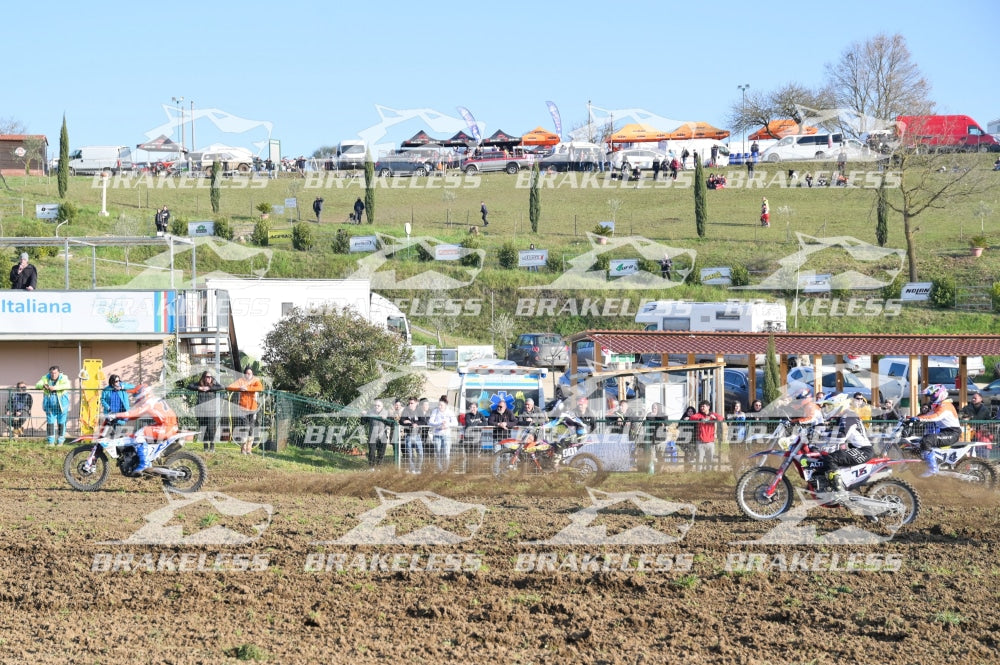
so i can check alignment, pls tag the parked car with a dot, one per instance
(404, 164)
(497, 160)
(802, 147)
(565, 388)
(991, 393)
(539, 350)
(736, 382)
(851, 383)
(635, 157)
(563, 161)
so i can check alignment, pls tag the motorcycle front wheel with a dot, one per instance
(903, 503)
(82, 477)
(506, 465)
(193, 472)
(752, 497)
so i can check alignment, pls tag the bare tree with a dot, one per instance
(34, 149)
(877, 80)
(11, 125)
(791, 101)
(930, 181)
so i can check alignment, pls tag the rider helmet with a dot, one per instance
(937, 393)
(142, 393)
(836, 404)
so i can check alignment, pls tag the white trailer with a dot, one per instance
(257, 305)
(728, 316)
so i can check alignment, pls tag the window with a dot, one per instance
(678, 323)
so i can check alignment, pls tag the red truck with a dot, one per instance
(945, 132)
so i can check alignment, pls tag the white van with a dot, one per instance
(814, 146)
(894, 374)
(351, 155)
(97, 158)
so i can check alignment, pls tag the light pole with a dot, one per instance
(180, 109)
(743, 89)
(193, 146)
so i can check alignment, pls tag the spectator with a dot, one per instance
(750, 167)
(502, 421)
(738, 417)
(19, 409)
(756, 411)
(247, 386)
(666, 266)
(531, 416)
(706, 419)
(862, 408)
(765, 213)
(206, 408)
(409, 420)
(162, 220)
(55, 402)
(889, 411)
(754, 151)
(483, 211)
(115, 399)
(379, 429)
(809, 178)
(442, 426)
(359, 210)
(584, 414)
(473, 423)
(318, 208)
(23, 275)
(656, 168)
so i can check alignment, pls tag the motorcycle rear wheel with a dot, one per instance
(586, 470)
(899, 492)
(985, 471)
(78, 477)
(193, 469)
(751, 494)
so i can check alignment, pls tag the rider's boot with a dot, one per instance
(837, 485)
(932, 465)
(144, 462)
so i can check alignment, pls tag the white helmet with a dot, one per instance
(937, 393)
(836, 404)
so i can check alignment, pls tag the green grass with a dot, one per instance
(445, 211)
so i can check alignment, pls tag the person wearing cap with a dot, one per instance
(23, 275)
(19, 409)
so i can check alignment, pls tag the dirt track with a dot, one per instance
(929, 595)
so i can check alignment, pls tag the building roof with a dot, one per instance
(22, 137)
(642, 341)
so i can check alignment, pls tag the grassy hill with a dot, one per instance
(446, 207)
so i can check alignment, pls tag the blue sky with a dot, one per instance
(316, 70)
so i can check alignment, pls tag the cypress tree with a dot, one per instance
(62, 178)
(882, 215)
(772, 380)
(700, 197)
(215, 194)
(534, 202)
(369, 188)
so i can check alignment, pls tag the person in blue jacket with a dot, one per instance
(55, 388)
(115, 398)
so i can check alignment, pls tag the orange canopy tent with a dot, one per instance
(636, 133)
(539, 136)
(780, 129)
(697, 130)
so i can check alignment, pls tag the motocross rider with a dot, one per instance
(811, 413)
(147, 405)
(851, 431)
(943, 413)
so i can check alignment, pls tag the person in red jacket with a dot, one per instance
(150, 440)
(706, 434)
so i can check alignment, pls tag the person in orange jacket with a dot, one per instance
(152, 439)
(248, 386)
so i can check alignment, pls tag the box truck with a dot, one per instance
(96, 158)
(258, 304)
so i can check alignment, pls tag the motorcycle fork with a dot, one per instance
(93, 454)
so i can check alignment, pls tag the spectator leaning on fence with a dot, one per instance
(705, 432)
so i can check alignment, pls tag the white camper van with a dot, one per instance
(728, 316)
(96, 158)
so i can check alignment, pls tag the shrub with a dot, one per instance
(261, 229)
(302, 237)
(739, 274)
(943, 293)
(178, 226)
(341, 242)
(264, 208)
(507, 256)
(995, 296)
(693, 277)
(553, 264)
(68, 211)
(473, 259)
(599, 230)
(223, 229)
